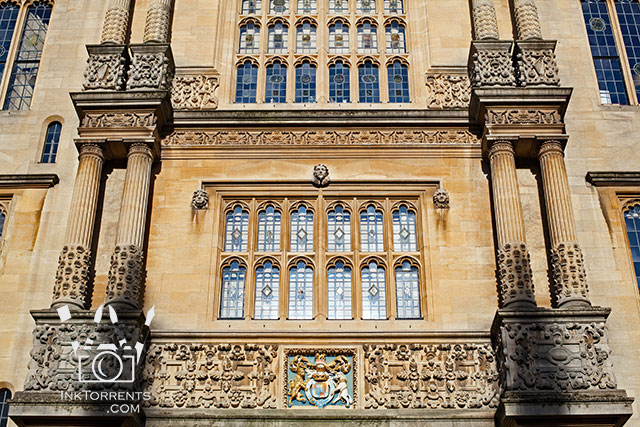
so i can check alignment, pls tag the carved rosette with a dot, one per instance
(491, 64)
(72, 276)
(152, 67)
(536, 63)
(194, 92)
(527, 20)
(515, 278)
(485, 23)
(446, 91)
(106, 67)
(126, 277)
(569, 276)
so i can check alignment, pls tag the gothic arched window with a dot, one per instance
(278, 37)
(339, 82)
(9, 12)
(249, 37)
(251, 7)
(279, 6)
(374, 290)
(632, 221)
(232, 296)
(276, 87)
(267, 291)
(407, 290)
(301, 291)
(247, 82)
(339, 229)
(368, 82)
(269, 226)
(393, 6)
(3, 217)
(395, 37)
(305, 82)
(404, 229)
(398, 77)
(301, 230)
(306, 37)
(371, 230)
(236, 230)
(51, 142)
(339, 37)
(339, 288)
(367, 37)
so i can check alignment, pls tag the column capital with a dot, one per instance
(501, 145)
(551, 145)
(141, 148)
(91, 150)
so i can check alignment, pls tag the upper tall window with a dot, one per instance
(3, 217)
(366, 6)
(251, 7)
(52, 140)
(398, 78)
(27, 60)
(5, 395)
(307, 7)
(247, 82)
(306, 37)
(276, 90)
(8, 18)
(279, 6)
(632, 221)
(249, 37)
(278, 37)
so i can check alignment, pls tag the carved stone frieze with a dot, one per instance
(522, 117)
(72, 276)
(200, 199)
(437, 376)
(485, 23)
(515, 278)
(195, 92)
(126, 277)
(445, 91)
(441, 199)
(109, 120)
(569, 276)
(490, 64)
(193, 375)
(105, 69)
(152, 67)
(320, 138)
(536, 63)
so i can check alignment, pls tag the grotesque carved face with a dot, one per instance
(320, 172)
(200, 199)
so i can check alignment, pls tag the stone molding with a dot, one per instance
(119, 120)
(485, 23)
(536, 63)
(126, 277)
(522, 117)
(490, 64)
(194, 89)
(569, 286)
(28, 180)
(613, 179)
(106, 67)
(72, 277)
(446, 91)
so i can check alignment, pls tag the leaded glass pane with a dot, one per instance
(629, 18)
(393, 6)
(339, 38)
(398, 77)
(8, 18)
(276, 90)
(267, 291)
(301, 292)
(278, 38)
(51, 143)
(25, 70)
(2, 219)
(404, 230)
(302, 230)
(371, 230)
(339, 287)
(279, 6)
(368, 81)
(232, 300)
(407, 291)
(305, 82)
(366, 6)
(339, 230)
(339, 83)
(367, 38)
(247, 83)
(632, 221)
(374, 305)
(395, 38)
(338, 6)
(251, 7)
(269, 230)
(249, 38)
(236, 230)
(5, 395)
(306, 38)
(307, 7)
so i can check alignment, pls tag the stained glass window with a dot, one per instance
(339, 230)
(339, 83)
(373, 282)
(368, 81)
(308, 7)
(371, 230)
(269, 230)
(302, 230)
(395, 37)
(339, 287)
(338, 6)
(301, 291)
(51, 143)
(249, 38)
(276, 90)
(27, 63)
(251, 7)
(5, 395)
(278, 38)
(367, 38)
(632, 221)
(339, 38)
(236, 230)
(247, 83)
(279, 6)
(3, 217)
(267, 291)
(629, 18)
(8, 17)
(305, 82)
(393, 6)
(404, 230)
(398, 77)
(232, 299)
(306, 38)
(366, 6)
(407, 291)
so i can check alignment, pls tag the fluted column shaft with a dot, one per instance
(514, 270)
(156, 27)
(527, 20)
(485, 23)
(72, 277)
(126, 275)
(116, 22)
(570, 285)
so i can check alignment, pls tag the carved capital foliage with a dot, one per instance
(195, 92)
(106, 68)
(110, 120)
(152, 67)
(515, 278)
(522, 117)
(536, 64)
(126, 276)
(569, 276)
(446, 91)
(491, 64)
(72, 276)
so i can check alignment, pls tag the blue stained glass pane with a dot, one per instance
(305, 82)
(371, 230)
(302, 230)
(393, 6)
(8, 18)
(251, 7)
(398, 75)
(629, 17)
(632, 220)
(339, 288)
(232, 298)
(247, 83)
(301, 292)
(339, 83)
(249, 38)
(368, 82)
(395, 37)
(366, 6)
(5, 395)
(276, 90)
(374, 291)
(236, 230)
(267, 291)
(279, 6)
(407, 291)
(269, 225)
(25, 70)
(2, 219)
(339, 230)
(51, 143)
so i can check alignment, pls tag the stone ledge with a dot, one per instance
(29, 181)
(613, 179)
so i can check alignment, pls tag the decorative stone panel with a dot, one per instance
(119, 119)
(522, 117)
(447, 91)
(490, 64)
(195, 89)
(106, 67)
(536, 63)
(152, 67)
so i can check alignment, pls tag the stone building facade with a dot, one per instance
(368, 212)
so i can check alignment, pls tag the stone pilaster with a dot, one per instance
(156, 27)
(116, 22)
(527, 20)
(514, 269)
(569, 287)
(126, 274)
(72, 277)
(485, 23)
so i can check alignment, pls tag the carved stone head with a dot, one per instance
(441, 199)
(320, 175)
(200, 200)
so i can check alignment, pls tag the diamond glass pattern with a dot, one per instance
(339, 289)
(267, 291)
(301, 230)
(373, 292)
(371, 230)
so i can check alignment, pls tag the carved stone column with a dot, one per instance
(126, 275)
(72, 277)
(514, 268)
(569, 289)
(116, 22)
(156, 27)
(527, 20)
(485, 23)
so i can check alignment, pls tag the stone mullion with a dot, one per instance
(485, 23)
(284, 269)
(527, 20)
(357, 258)
(157, 24)
(322, 296)
(252, 248)
(514, 269)
(570, 287)
(72, 277)
(116, 22)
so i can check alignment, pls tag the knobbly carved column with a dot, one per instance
(116, 22)
(72, 277)
(569, 287)
(485, 23)
(126, 275)
(156, 27)
(514, 269)
(527, 20)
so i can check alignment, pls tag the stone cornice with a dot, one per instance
(28, 181)
(613, 179)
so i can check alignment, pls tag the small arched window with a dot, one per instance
(398, 75)
(374, 290)
(251, 7)
(301, 291)
(339, 37)
(306, 38)
(279, 6)
(278, 37)
(249, 38)
(338, 6)
(366, 6)
(5, 395)
(232, 298)
(247, 83)
(339, 229)
(371, 230)
(236, 230)
(339, 288)
(367, 38)
(407, 290)
(302, 230)
(632, 221)
(276, 85)
(339, 82)
(369, 85)
(307, 7)
(269, 226)
(305, 82)
(395, 37)
(404, 229)
(51, 142)
(267, 291)
(8, 17)
(393, 6)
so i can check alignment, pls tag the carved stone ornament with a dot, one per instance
(110, 120)
(536, 64)
(491, 64)
(126, 277)
(194, 92)
(152, 67)
(72, 276)
(157, 22)
(569, 276)
(485, 23)
(441, 199)
(320, 176)
(321, 138)
(200, 200)
(435, 376)
(527, 20)
(105, 71)
(515, 278)
(523, 117)
(446, 91)
(194, 375)
(116, 22)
